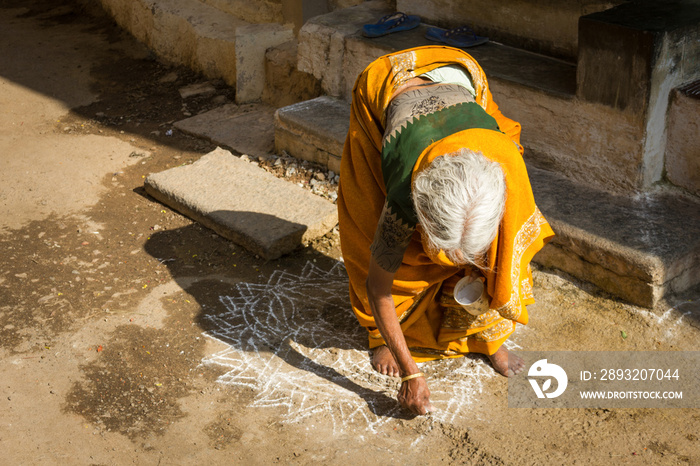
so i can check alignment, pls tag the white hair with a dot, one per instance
(460, 200)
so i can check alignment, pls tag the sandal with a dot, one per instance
(394, 22)
(458, 37)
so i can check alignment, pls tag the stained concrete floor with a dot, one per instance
(130, 334)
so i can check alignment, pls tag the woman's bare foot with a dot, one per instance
(506, 363)
(383, 361)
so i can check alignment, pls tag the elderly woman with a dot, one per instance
(433, 188)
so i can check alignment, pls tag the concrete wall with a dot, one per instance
(544, 26)
(630, 58)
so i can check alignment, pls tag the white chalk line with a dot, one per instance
(296, 343)
(672, 320)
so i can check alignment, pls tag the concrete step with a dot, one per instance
(284, 83)
(332, 49)
(206, 39)
(574, 121)
(639, 249)
(313, 130)
(244, 203)
(545, 27)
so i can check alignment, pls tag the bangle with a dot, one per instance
(412, 376)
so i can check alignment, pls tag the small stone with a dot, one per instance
(245, 158)
(198, 89)
(169, 78)
(290, 171)
(320, 176)
(219, 100)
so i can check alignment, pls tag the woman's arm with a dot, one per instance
(414, 394)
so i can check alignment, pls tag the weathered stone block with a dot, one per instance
(256, 11)
(637, 248)
(247, 129)
(182, 31)
(631, 57)
(244, 203)
(314, 130)
(322, 43)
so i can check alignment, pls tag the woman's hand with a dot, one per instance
(414, 396)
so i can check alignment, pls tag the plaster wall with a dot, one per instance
(589, 142)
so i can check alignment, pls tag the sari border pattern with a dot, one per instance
(402, 65)
(478, 79)
(528, 233)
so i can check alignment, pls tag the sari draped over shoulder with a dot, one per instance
(434, 325)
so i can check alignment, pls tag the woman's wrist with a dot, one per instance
(412, 376)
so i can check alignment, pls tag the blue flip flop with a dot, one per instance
(394, 22)
(458, 37)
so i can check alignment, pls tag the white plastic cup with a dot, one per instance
(470, 294)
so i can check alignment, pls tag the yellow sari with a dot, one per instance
(434, 325)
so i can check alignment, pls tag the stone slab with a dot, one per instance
(246, 129)
(244, 203)
(639, 248)
(322, 43)
(314, 130)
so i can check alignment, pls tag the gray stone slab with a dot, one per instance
(244, 203)
(314, 130)
(246, 129)
(639, 248)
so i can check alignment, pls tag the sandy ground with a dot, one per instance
(130, 335)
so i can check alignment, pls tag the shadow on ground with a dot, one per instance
(297, 313)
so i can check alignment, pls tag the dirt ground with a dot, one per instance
(131, 335)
